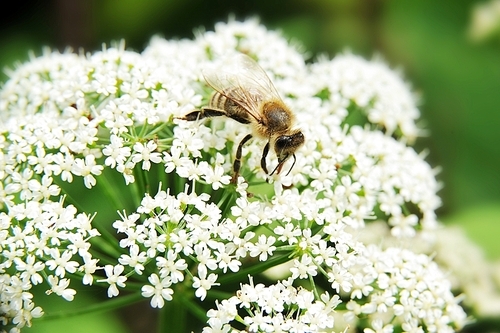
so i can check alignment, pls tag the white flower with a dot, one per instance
(202, 283)
(187, 139)
(215, 176)
(174, 160)
(155, 243)
(422, 288)
(159, 291)
(61, 263)
(87, 168)
(171, 267)
(114, 279)
(378, 327)
(20, 183)
(135, 260)
(116, 152)
(42, 161)
(64, 168)
(204, 257)
(227, 261)
(289, 233)
(246, 212)
(26, 314)
(304, 268)
(44, 189)
(340, 278)
(263, 248)
(126, 169)
(61, 288)
(324, 175)
(30, 269)
(361, 81)
(89, 268)
(403, 226)
(146, 153)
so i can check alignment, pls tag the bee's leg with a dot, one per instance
(263, 159)
(238, 118)
(204, 113)
(237, 160)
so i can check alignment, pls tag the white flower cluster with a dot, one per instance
(169, 230)
(381, 95)
(65, 117)
(41, 241)
(452, 250)
(277, 308)
(391, 288)
(398, 288)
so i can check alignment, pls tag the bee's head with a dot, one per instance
(285, 146)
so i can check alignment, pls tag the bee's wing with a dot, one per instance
(243, 81)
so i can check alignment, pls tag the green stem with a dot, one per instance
(143, 131)
(193, 308)
(313, 284)
(114, 195)
(253, 269)
(108, 246)
(69, 200)
(289, 248)
(107, 242)
(140, 181)
(137, 194)
(159, 129)
(96, 307)
(172, 318)
(227, 197)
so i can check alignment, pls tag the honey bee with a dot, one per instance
(244, 92)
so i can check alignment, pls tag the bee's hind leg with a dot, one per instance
(237, 160)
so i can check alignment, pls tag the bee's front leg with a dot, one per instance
(263, 159)
(237, 160)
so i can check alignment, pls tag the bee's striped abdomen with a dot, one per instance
(233, 109)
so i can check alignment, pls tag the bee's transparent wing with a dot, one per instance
(243, 81)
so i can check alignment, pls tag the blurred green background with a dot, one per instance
(457, 77)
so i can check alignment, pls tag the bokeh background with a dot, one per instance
(439, 46)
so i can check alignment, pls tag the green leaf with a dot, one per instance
(92, 322)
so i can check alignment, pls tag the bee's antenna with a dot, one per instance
(294, 160)
(280, 165)
(272, 173)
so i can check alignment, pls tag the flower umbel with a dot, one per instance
(85, 137)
